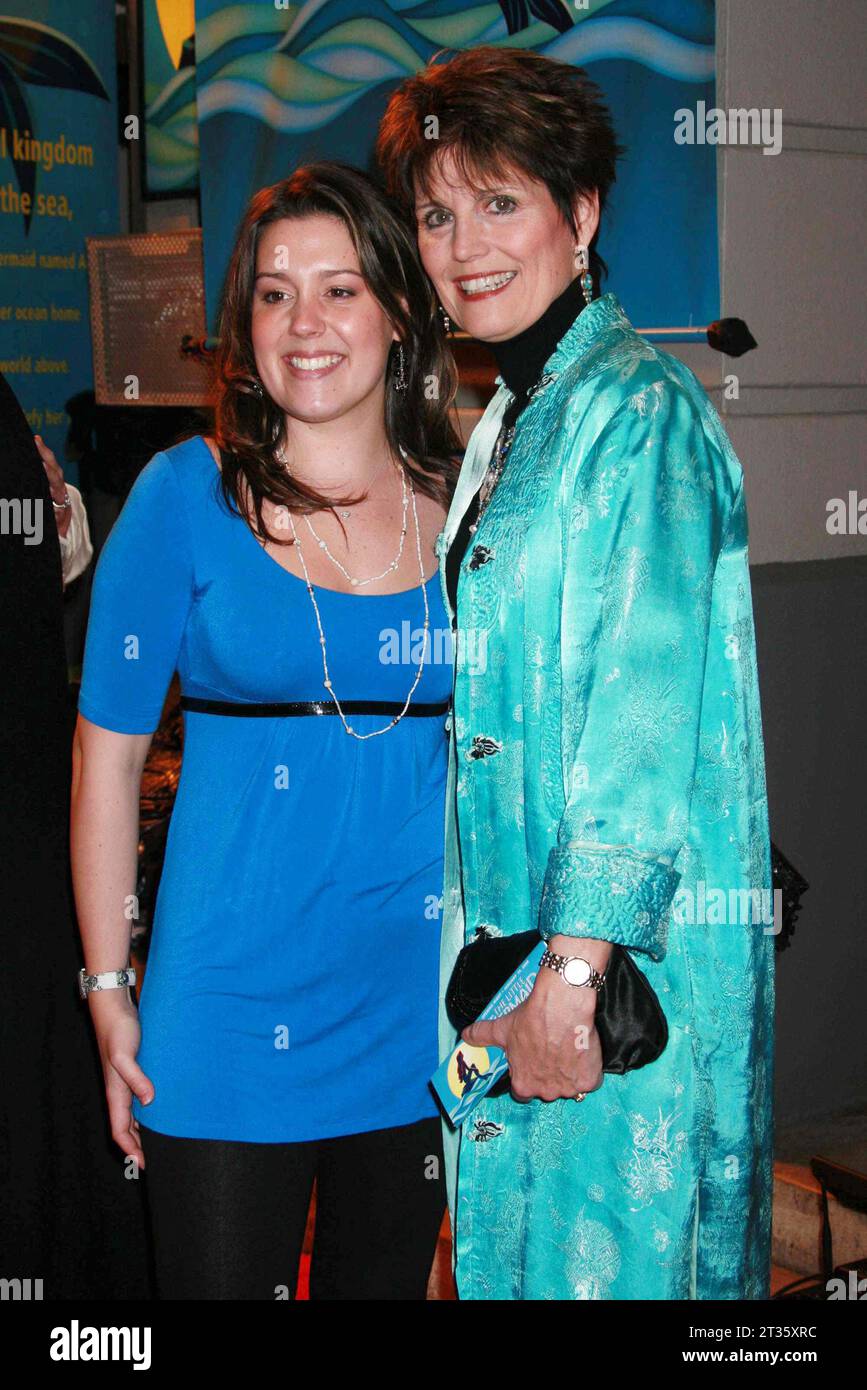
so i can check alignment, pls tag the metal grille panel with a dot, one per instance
(146, 292)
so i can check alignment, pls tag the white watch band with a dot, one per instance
(110, 979)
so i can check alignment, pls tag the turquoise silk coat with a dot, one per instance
(606, 779)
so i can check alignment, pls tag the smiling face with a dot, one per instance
(497, 258)
(320, 338)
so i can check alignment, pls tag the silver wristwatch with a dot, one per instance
(110, 979)
(575, 970)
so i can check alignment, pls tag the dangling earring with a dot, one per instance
(258, 389)
(400, 375)
(447, 323)
(582, 265)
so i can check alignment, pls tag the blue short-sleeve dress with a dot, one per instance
(291, 986)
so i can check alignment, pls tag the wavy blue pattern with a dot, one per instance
(634, 39)
(355, 63)
(366, 65)
(177, 92)
(320, 17)
(249, 99)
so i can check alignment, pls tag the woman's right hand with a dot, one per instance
(56, 485)
(118, 1034)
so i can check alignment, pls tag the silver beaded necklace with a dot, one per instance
(374, 733)
(494, 472)
(323, 545)
(361, 583)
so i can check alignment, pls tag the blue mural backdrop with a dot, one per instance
(168, 58)
(278, 85)
(58, 185)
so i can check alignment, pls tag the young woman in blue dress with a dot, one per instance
(284, 568)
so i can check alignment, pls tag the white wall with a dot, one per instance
(793, 264)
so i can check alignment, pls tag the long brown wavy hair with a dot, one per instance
(249, 426)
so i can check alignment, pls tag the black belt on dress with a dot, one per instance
(268, 709)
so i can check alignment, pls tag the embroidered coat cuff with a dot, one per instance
(611, 894)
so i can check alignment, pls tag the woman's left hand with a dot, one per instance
(56, 484)
(550, 1040)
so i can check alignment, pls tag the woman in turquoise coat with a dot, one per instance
(606, 760)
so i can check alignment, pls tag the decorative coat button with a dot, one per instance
(483, 747)
(480, 556)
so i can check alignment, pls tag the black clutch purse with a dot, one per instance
(629, 1020)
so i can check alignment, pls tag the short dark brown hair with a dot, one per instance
(497, 108)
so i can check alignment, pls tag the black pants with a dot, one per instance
(228, 1217)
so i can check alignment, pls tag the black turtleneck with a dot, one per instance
(520, 361)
